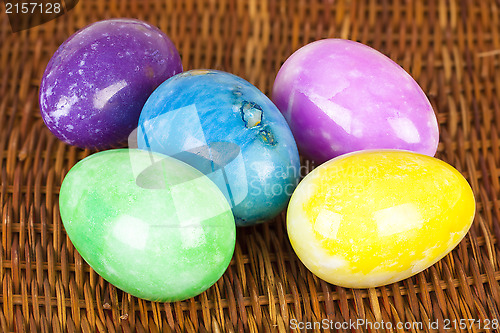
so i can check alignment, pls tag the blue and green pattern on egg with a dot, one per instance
(230, 131)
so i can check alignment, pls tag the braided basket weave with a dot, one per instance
(451, 47)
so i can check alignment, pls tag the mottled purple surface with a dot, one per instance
(95, 85)
(340, 96)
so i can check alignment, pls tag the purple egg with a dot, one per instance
(340, 96)
(95, 85)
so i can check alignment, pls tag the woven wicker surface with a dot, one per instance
(452, 48)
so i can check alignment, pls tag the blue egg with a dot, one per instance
(230, 131)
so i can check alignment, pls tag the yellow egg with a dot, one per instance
(371, 218)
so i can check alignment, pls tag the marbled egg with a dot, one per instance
(229, 130)
(149, 224)
(95, 85)
(340, 96)
(371, 218)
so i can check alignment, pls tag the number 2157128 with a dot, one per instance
(32, 8)
(487, 324)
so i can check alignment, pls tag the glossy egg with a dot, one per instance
(340, 96)
(95, 85)
(229, 130)
(149, 224)
(371, 218)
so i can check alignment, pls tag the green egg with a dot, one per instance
(149, 224)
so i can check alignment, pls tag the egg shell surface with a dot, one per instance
(340, 96)
(96, 83)
(149, 224)
(229, 130)
(371, 218)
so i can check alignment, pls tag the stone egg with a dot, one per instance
(340, 96)
(149, 224)
(371, 218)
(230, 131)
(95, 85)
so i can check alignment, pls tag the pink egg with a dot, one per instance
(340, 96)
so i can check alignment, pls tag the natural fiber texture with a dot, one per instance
(452, 48)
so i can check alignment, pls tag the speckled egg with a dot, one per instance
(149, 224)
(371, 218)
(230, 131)
(95, 85)
(340, 96)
